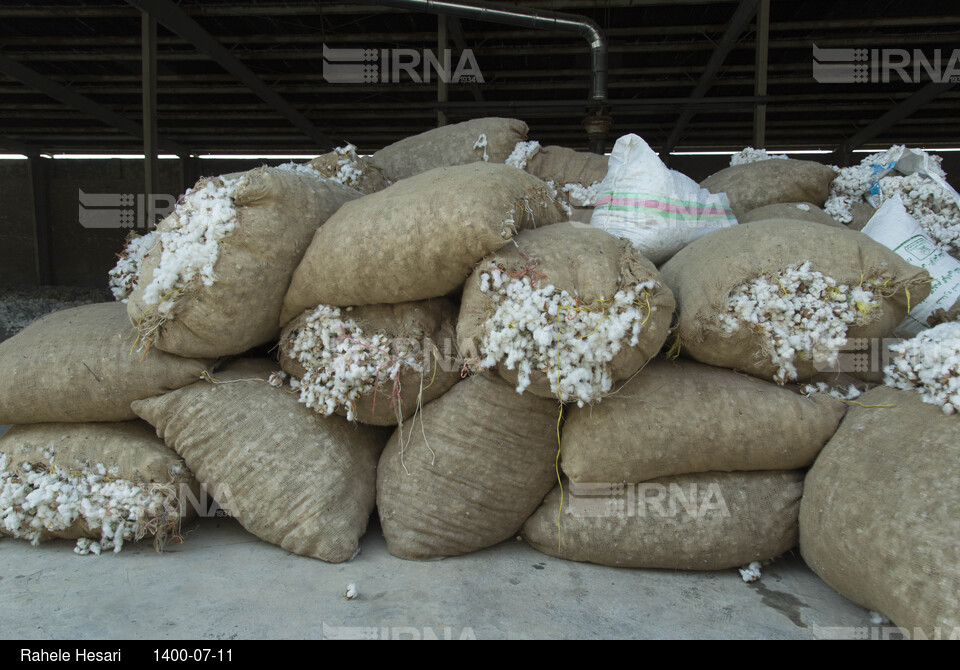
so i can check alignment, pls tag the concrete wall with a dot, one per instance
(82, 256)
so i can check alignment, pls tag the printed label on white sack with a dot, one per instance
(893, 227)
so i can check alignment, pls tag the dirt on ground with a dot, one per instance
(22, 305)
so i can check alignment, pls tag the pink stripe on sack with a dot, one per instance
(657, 204)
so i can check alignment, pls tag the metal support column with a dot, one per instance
(151, 164)
(37, 168)
(444, 65)
(760, 86)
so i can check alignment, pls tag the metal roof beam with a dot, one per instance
(35, 80)
(738, 22)
(926, 94)
(180, 23)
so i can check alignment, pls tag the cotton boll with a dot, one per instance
(39, 500)
(799, 313)
(751, 155)
(930, 364)
(542, 328)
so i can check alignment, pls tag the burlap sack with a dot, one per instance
(753, 185)
(944, 315)
(706, 521)
(680, 417)
(862, 213)
(704, 274)
(278, 212)
(469, 476)
(369, 180)
(131, 447)
(456, 144)
(79, 365)
(880, 517)
(419, 238)
(426, 329)
(790, 211)
(289, 476)
(587, 263)
(566, 166)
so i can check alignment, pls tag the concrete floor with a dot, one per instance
(224, 583)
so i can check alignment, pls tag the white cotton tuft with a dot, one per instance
(751, 155)
(800, 314)
(547, 330)
(343, 363)
(40, 499)
(929, 364)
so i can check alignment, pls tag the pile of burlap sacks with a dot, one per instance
(668, 446)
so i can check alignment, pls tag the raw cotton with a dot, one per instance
(123, 277)
(753, 185)
(734, 266)
(344, 165)
(521, 153)
(212, 283)
(80, 365)
(678, 417)
(467, 473)
(419, 238)
(880, 516)
(289, 476)
(705, 521)
(751, 155)
(565, 312)
(929, 364)
(799, 314)
(914, 176)
(490, 139)
(102, 484)
(375, 364)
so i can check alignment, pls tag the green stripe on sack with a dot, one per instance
(658, 198)
(665, 215)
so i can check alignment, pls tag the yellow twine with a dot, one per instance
(140, 321)
(855, 402)
(556, 464)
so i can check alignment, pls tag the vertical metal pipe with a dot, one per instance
(760, 84)
(151, 164)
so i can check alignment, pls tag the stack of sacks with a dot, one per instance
(210, 280)
(374, 364)
(291, 477)
(880, 517)
(686, 467)
(418, 238)
(779, 299)
(564, 313)
(75, 464)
